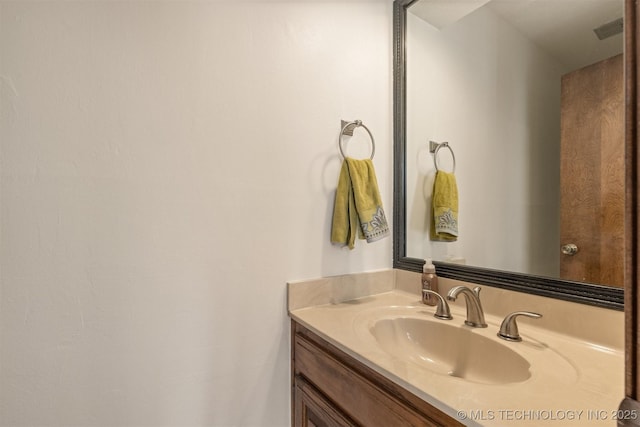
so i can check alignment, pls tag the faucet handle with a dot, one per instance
(442, 308)
(509, 327)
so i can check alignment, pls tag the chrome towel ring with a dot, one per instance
(348, 128)
(435, 147)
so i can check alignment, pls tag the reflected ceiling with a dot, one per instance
(563, 28)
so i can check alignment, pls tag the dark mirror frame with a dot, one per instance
(584, 293)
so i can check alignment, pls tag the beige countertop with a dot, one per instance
(573, 381)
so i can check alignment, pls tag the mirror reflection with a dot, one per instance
(529, 97)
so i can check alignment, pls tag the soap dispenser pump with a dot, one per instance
(430, 282)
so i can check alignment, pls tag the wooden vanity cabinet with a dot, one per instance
(331, 388)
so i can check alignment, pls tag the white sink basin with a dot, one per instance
(451, 350)
(414, 341)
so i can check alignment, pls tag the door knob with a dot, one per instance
(569, 249)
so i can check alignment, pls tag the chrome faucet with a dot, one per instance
(509, 327)
(475, 316)
(442, 308)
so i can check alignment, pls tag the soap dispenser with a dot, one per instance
(430, 282)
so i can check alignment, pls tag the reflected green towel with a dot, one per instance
(358, 206)
(444, 225)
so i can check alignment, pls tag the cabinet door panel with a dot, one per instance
(313, 410)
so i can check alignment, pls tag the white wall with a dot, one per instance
(495, 96)
(166, 167)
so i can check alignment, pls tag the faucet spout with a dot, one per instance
(475, 315)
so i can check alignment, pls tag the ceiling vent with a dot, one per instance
(609, 29)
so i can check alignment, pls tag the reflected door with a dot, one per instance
(592, 174)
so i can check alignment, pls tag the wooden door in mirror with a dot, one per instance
(592, 173)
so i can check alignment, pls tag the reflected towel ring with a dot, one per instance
(435, 147)
(347, 129)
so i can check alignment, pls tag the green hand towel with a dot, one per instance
(358, 206)
(444, 224)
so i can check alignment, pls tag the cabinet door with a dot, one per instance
(313, 410)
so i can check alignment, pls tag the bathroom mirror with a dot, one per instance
(506, 84)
